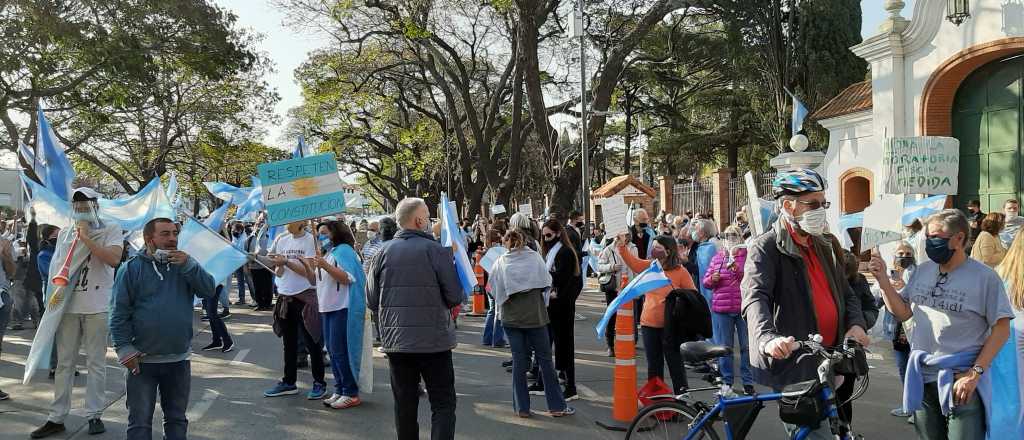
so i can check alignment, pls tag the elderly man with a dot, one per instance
(412, 286)
(793, 286)
(84, 322)
(961, 320)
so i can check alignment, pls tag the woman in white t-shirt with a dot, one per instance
(339, 283)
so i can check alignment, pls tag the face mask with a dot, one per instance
(812, 222)
(658, 253)
(734, 243)
(237, 233)
(1011, 217)
(938, 250)
(695, 236)
(643, 225)
(370, 234)
(579, 225)
(904, 262)
(323, 237)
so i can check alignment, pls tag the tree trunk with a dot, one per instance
(627, 166)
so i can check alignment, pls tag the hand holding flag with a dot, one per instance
(649, 280)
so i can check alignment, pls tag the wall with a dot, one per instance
(11, 193)
(851, 144)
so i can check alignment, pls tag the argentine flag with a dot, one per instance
(132, 212)
(227, 192)
(218, 257)
(216, 220)
(300, 149)
(59, 172)
(919, 209)
(50, 209)
(651, 279)
(250, 206)
(799, 114)
(452, 237)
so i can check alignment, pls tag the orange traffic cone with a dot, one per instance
(624, 404)
(478, 292)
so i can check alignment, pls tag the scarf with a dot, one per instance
(520, 270)
(552, 254)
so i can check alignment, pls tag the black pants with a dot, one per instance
(438, 374)
(293, 329)
(217, 326)
(843, 393)
(562, 312)
(659, 353)
(609, 331)
(263, 287)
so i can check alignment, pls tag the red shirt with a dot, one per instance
(821, 293)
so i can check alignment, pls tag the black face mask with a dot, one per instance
(905, 262)
(643, 225)
(579, 225)
(938, 250)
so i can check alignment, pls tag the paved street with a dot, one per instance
(227, 401)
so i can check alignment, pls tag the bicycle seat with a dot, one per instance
(700, 351)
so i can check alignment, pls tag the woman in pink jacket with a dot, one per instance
(723, 276)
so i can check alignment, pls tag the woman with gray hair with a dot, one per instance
(524, 224)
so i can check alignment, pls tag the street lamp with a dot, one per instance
(957, 11)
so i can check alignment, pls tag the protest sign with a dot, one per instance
(498, 209)
(614, 211)
(754, 211)
(302, 188)
(488, 260)
(921, 165)
(882, 221)
(526, 210)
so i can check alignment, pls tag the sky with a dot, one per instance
(288, 49)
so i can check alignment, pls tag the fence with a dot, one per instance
(694, 195)
(738, 189)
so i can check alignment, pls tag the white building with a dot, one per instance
(931, 77)
(11, 194)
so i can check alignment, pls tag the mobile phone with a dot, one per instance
(893, 274)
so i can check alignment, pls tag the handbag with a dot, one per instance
(607, 280)
(804, 409)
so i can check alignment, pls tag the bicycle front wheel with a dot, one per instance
(668, 421)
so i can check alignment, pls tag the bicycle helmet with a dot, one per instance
(796, 182)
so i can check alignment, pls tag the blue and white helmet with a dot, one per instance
(796, 182)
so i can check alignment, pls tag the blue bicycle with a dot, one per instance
(805, 404)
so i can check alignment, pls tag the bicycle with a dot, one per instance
(696, 419)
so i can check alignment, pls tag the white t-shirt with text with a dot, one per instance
(331, 294)
(293, 247)
(91, 293)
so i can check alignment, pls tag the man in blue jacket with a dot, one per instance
(151, 325)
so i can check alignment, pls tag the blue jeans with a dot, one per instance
(240, 280)
(494, 334)
(336, 339)
(217, 326)
(5, 314)
(526, 341)
(902, 358)
(727, 327)
(173, 380)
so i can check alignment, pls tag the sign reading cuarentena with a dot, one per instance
(301, 189)
(921, 165)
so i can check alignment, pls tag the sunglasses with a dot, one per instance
(939, 283)
(814, 204)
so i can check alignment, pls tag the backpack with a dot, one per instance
(687, 316)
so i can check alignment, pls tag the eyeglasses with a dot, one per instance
(814, 204)
(939, 283)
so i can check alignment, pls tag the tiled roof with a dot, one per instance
(855, 98)
(615, 185)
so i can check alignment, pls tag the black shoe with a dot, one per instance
(225, 314)
(749, 390)
(96, 427)
(4, 396)
(240, 303)
(536, 389)
(228, 348)
(506, 364)
(213, 346)
(570, 394)
(53, 373)
(48, 429)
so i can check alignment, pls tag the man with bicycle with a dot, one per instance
(793, 287)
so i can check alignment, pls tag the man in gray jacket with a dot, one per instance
(412, 286)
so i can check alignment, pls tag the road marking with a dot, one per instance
(587, 392)
(200, 408)
(238, 357)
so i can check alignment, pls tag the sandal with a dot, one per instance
(568, 411)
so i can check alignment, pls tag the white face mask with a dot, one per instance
(813, 222)
(370, 234)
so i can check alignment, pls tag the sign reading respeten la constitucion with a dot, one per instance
(301, 189)
(921, 165)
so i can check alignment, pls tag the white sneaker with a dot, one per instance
(727, 391)
(330, 400)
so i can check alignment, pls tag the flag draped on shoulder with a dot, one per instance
(651, 279)
(134, 211)
(453, 238)
(58, 171)
(1006, 417)
(213, 253)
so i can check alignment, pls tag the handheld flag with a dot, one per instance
(50, 209)
(59, 173)
(216, 220)
(250, 206)
(132, 212)
(226, 192)
(919, 209)
(455, 241)
(799, 114)
(651, 279)
(213, 253)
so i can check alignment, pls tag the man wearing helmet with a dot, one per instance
(793, 286)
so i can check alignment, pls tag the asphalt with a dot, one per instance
(226, 400)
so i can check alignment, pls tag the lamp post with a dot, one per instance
(957, 11)
(579, 32)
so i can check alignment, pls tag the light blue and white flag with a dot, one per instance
(1006, 417)
(215, 254)
(227, 192)
(847, 222)
(919, 209)
(454, 239)
(300, 148)
(34, 161)
(799, 114)
(132, 213)
(649, 280)
(59, 173)
(252, 204)
(173, 192)
(216, 220)
(50, 209)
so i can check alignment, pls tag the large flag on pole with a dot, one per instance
(454, 239)
(648, 280)
(59, 173)
(215, 254)
(227, 192)
(133, 212)
(252, 204)
(49, 208)
(799, 113)
(300, 148)
(33, 160)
